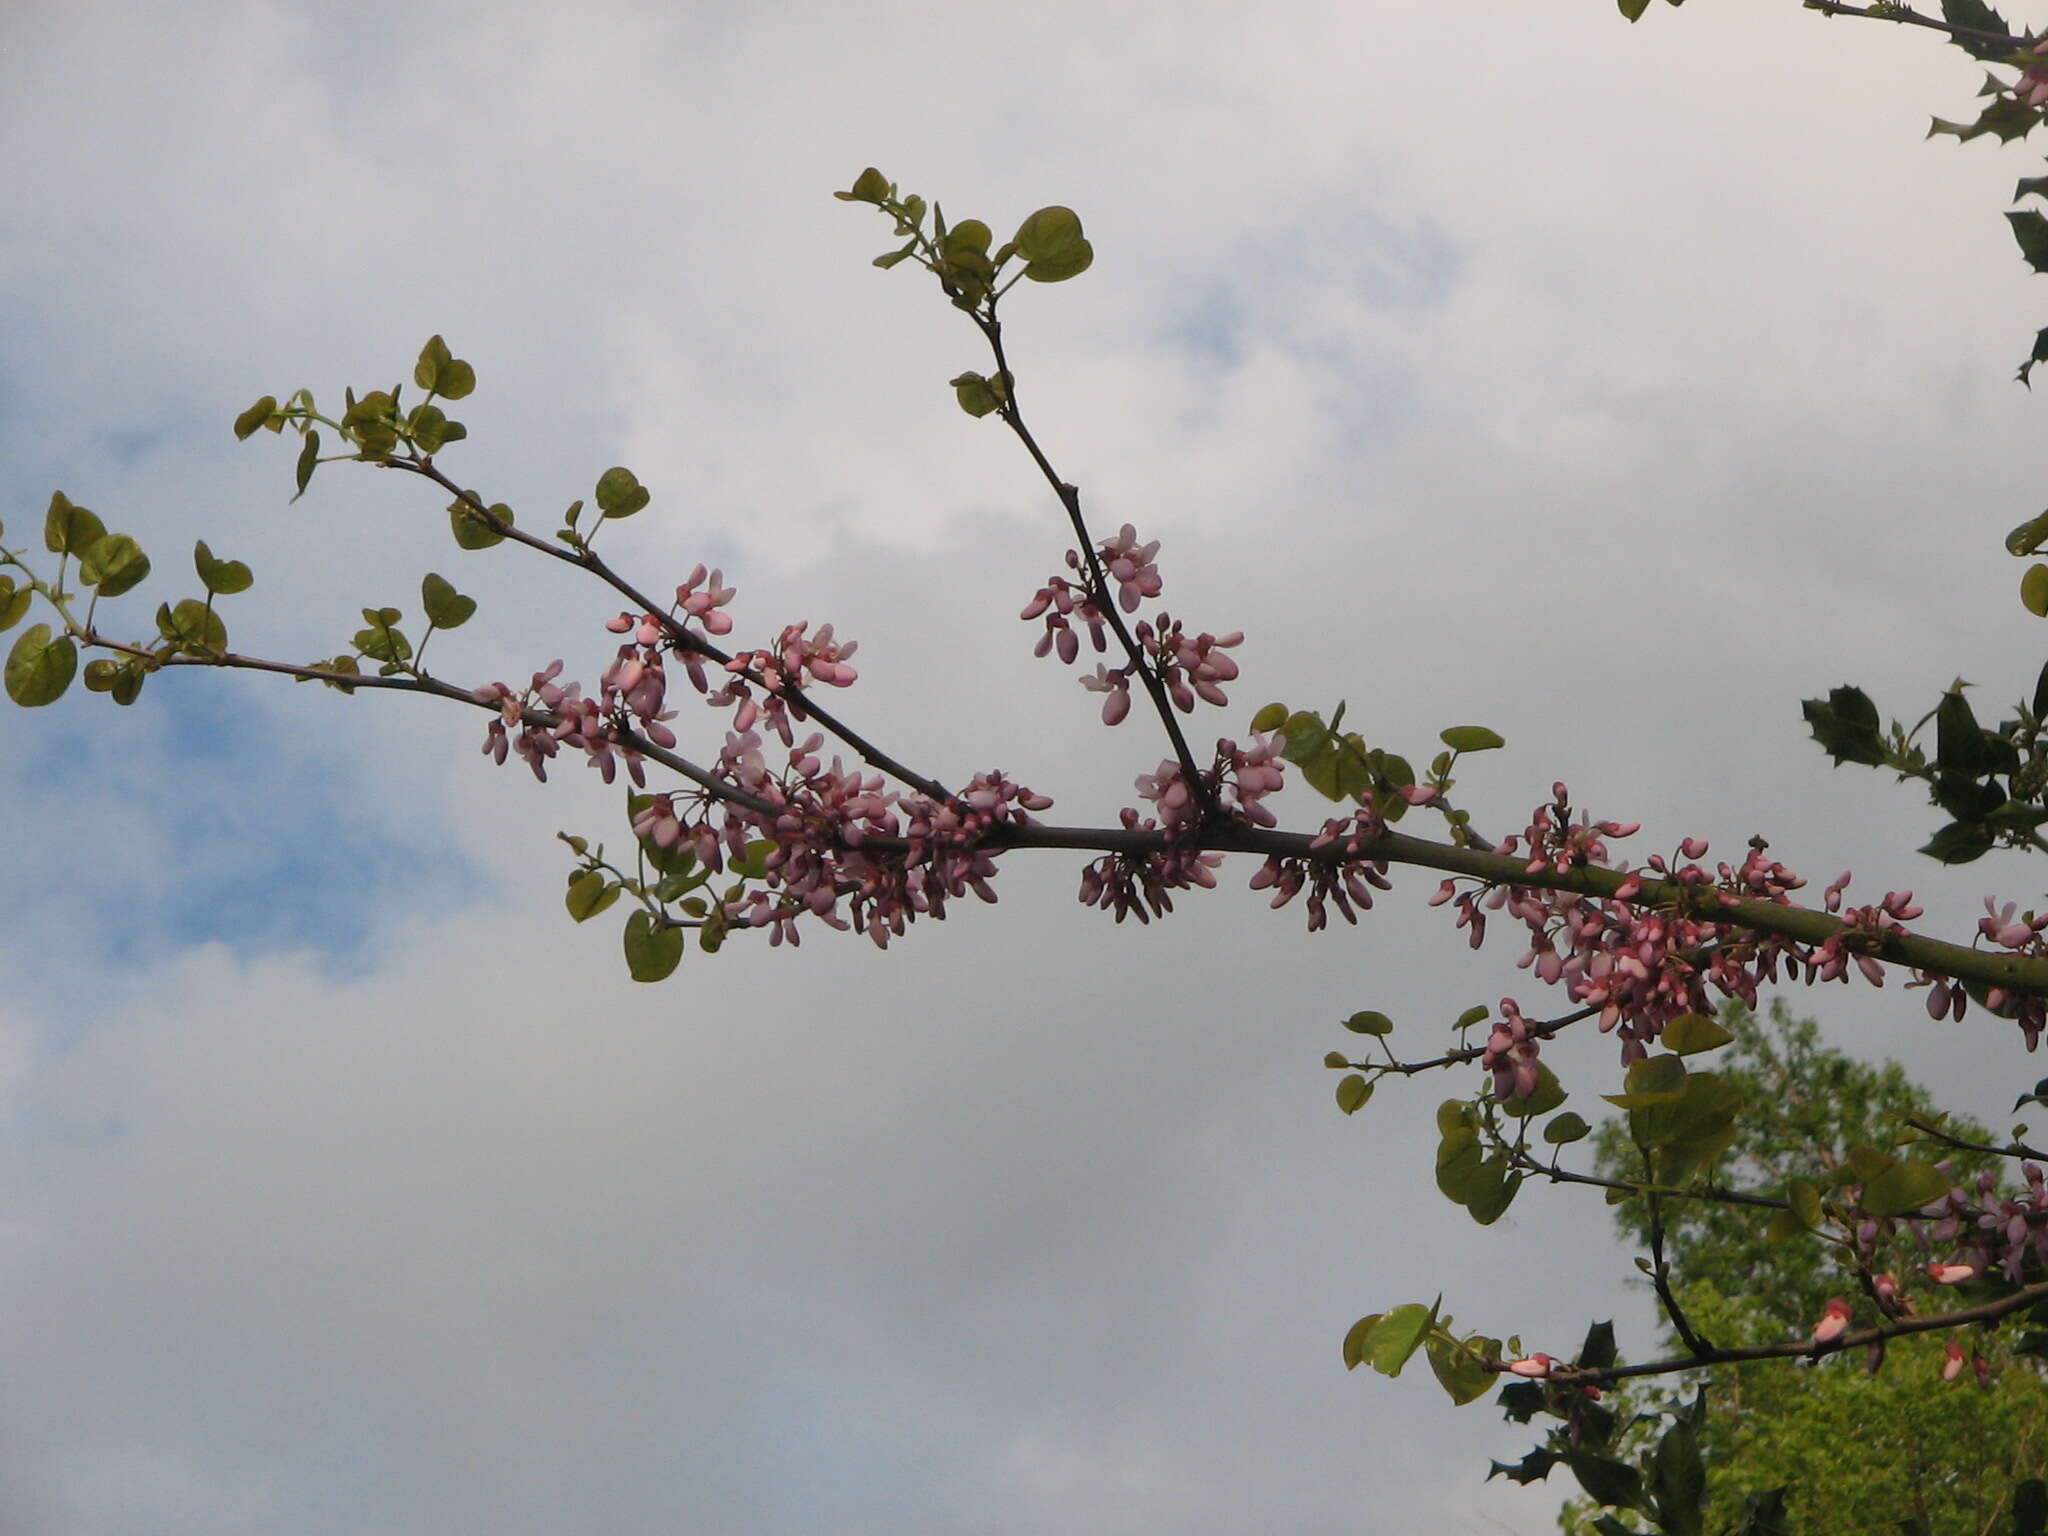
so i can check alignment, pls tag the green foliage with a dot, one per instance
(1896, 1444)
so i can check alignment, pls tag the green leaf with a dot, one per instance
(1846, 726)
(1369, 1023)
(968, 236)
(1678, 1480)
(1633, 9)
(1548, 1094)
(39, 669)
(70, 529)
(1352, 1094)
(2033, 533)
(1478, 1013)
(1051, 241)
(434, 356)
(1975, 16)
(1471, 738)
(223, 578)
(652, 953)
(115, 564)
(1458, 1370)
(445, 607)
(1491, 1190)
(889, 259)
(381, 639)
(619, 492)
(1597, 1352)
(309, 460)
(589, 893)
(2030, 229)
(1653, 1080)
(1608, 1482)
(192, 626)
(1959, 740)
(871, 186)
(1958, 843)
(1804, 1200)
(1396, 1338)
(1269, 719)
(1691, 1033)
(2034, 591)
(977, 396)
(1904, 1188)
(258, 415)
(1306, 736)
(14, 603)
(1565, 1129)
(1359, 1339)
(471, 529)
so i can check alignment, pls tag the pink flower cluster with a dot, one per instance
(1643, 966)
(2022, 935)
(1237, 783)
(1989, 1228)
(1510, 1054)
(1190, 667)
(847, 851)
(1346, 883)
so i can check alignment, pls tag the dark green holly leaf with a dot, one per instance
(2038, 355)
(1959, 739)
(1846, 726)
(2030, 1508)
(39, 668)
(1975, 16)
(1533, 1467)
(445, 607)
(1678, 1481)
(1612, 1483)
(1959, 843)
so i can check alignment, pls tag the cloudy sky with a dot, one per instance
(1614, 387)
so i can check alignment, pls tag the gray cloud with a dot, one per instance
(1515, 368)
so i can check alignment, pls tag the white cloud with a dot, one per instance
(1512, 368)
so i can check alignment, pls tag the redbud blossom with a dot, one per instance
(1952, 1364)
(1950, 1274)
(1834, 1322)
(1536, 1367)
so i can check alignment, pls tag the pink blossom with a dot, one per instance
(1834, 1322)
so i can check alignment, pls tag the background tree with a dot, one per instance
(1856, 1450)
